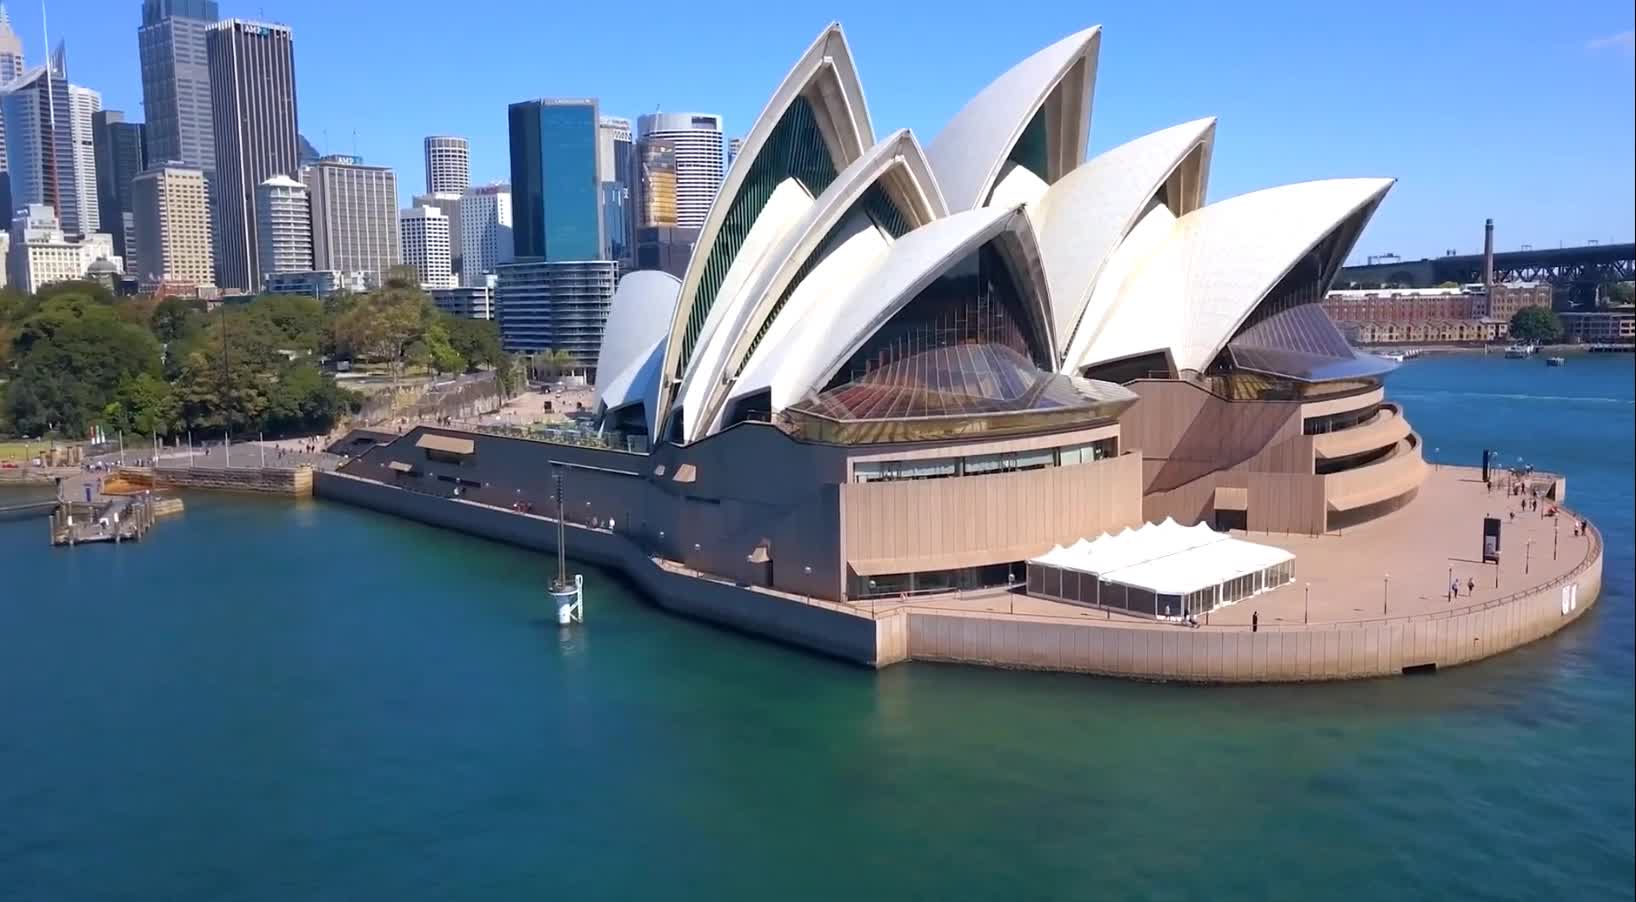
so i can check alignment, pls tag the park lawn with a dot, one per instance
(19, 451)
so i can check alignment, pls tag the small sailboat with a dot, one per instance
(1520, 351)
(1555, 361)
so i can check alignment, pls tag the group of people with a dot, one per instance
(1454, 587)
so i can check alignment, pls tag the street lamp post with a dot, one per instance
(1385, 593)
(1556, 533)
(1451, 584)
(1527, 554)
(1306, 606)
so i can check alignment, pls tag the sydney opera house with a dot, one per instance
(893, 367)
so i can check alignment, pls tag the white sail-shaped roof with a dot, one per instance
(638, 316)
(818, 345)
(898, 168)
(821, 95)
(1216, 264)
(1084, 216)
(637, 383)
(971, 152)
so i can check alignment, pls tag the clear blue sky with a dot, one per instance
(1517, 110)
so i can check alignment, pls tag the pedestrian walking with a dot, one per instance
(1454, 589)
(1255, 621)
(1471, 586)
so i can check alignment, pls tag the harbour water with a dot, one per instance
(273, 701)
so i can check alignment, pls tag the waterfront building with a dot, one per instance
(1599, 326)
(1426, 331)
(171, 209)
(1406, 305)
(120, 157)
(354, 215)
(555, 305)
(424, 231)
(1504, 299)
(696, 141)
(448, 165)
(176, 103)
(40, 252)
(485, 232)
(321, 283)
(252, 91)
(283, 226)
(83, 105)
(40, 157)
(615, 166)
(557, 201)
(470, 301)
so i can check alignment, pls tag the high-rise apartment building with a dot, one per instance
(354, 215)
(171, 206)
(11, 67)
(468, 302)
(696, 140)
(253, 117)
(283, 227)
(176, 101)
(39, 253)
(448, 165)
(83, 105)
(615, 169)
(424, 231)
(557, 305)
(556, 192)
(449, 205)
(40, 143)
(485, 225)
(121, 156)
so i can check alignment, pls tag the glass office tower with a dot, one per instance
(555, 190)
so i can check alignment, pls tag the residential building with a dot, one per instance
(1405, 305)
(176, 100)
(664, 248)
(615, 165)
(469, 301)
(253, 116)
(656, 184)
(696, 139)
(449, 204)
(354, 215)
(556, 305)
(1599, 327)
(424, 231)
(40, 155)
(448, 165)
(557, 201)
(283, 226)
(11, 67)
(171, 208)
(120, 157)
(1437, 331)
(485, 232)
(320, 283)
(84, 104)
(39, 252)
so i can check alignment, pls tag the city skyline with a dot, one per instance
(1387, 124)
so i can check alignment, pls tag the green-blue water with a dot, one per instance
(270, 701)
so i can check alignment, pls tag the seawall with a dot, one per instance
(296, 482)
(824, 627)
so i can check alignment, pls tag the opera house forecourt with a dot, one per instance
(985, 400)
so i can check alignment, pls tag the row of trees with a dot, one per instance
(74, 357)
(1536, 325)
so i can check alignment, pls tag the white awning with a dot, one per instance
(1165, 558)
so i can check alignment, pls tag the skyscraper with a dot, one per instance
(448, 165)
(173, 235)
(176, 101)
(40, 143)
(696, 139)
(252, 97)
(614, 166)
(449, 205)
(557, 203)
(120, 153)
(83, 104)
(283, 227)
(11, 66)
(733, 147)
(485, 225)
(425, 234)
(656, 184)
(354, 215)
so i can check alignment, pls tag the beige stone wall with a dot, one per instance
(296, 482)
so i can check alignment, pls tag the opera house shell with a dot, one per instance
(944, 331)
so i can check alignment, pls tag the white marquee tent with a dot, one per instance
(1161, 569)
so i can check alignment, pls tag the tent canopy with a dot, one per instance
(1165, 558)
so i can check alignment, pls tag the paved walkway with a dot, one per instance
(1396, 566)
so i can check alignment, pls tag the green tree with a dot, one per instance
(177, 319)
(382, 324)
(547, 365)
(212, 396)
(71, 356)
(146, 405)
(1537, 325)
(508, 375)
(1621, 293)
(477, 340)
